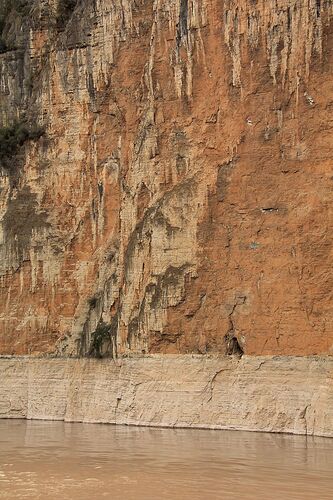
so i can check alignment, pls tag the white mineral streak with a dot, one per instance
(292, 27)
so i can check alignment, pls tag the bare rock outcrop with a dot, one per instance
(282, 394)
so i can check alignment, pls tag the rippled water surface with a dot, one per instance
(53, 460)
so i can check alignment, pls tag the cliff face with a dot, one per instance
(180, 196)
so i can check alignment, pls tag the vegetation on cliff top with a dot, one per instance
(6, 7)
(65, 10)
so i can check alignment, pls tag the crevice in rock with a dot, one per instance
(211, 383)
(270, 209)
(182, 27)
(303, 416)
(233, 347)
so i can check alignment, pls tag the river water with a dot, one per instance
(53, 460)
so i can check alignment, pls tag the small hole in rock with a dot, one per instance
(232, 346)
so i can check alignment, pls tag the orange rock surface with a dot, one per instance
(182, 190)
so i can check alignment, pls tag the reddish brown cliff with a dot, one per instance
(180, 196)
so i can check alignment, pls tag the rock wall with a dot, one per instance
(181, 191)
(284, 394)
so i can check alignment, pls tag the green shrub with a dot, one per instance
(103, 339)
(98, 338)
(12, 138)
(93, 301)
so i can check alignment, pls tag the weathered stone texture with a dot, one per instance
(183, 188)
(283, 394)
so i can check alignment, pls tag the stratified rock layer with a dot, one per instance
(284, 394)
(182, 191)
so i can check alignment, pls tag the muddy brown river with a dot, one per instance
(53, 460)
